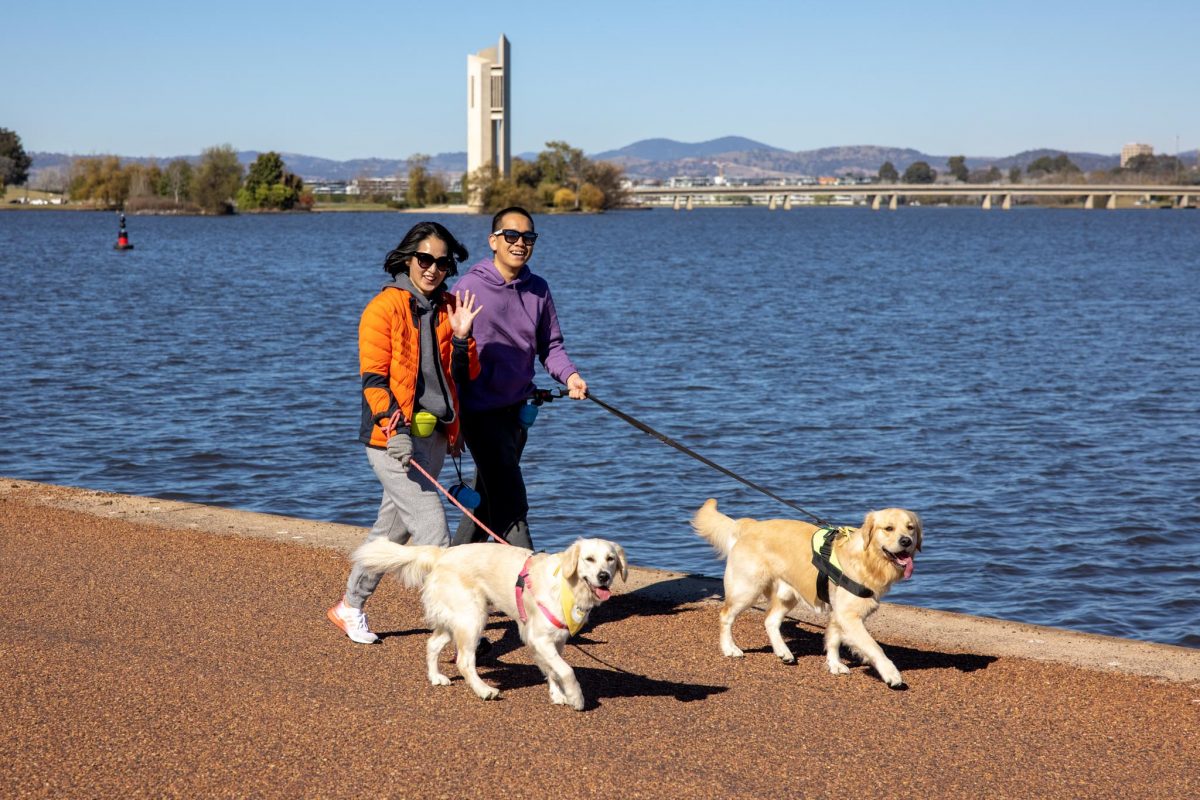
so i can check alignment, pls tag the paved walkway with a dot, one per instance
(142, 655)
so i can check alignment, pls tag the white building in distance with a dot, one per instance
(488, 110)
(1133, 150)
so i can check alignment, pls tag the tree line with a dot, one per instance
(219, 184)
(1059, 169)
(560, 178)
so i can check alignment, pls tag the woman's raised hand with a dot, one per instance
(464, 314)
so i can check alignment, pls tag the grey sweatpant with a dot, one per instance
(411, 511)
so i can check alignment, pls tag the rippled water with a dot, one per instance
(1028, 381)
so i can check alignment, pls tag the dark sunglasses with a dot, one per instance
(445, 264)
(511, 236)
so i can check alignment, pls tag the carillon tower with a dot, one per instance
(488, 111)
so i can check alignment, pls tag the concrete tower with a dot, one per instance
(489, 103)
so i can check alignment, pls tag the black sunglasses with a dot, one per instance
(445, 264)
(511, 236)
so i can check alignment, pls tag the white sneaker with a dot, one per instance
(353, 621)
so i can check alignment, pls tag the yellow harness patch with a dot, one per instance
(572, 616)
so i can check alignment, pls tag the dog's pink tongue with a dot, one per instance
(907, 561)
(601, 592)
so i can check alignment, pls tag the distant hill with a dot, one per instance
(671, 150)
(658, 159)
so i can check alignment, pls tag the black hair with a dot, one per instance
(397, 260)
(510, 210)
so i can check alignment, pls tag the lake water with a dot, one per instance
(1027, 381)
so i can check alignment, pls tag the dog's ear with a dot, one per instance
(570, 561)
(868, 528)
(621, 562)
(920, 532)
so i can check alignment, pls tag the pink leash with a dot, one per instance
(523, 581)
(454, 500)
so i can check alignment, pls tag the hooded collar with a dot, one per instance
(487, 270)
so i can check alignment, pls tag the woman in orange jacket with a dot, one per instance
(414, 348)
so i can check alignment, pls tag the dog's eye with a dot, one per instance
(890, 528)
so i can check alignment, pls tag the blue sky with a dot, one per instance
(361, 79)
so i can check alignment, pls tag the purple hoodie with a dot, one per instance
(517, 323)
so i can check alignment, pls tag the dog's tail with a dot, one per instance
(719, 530)
(411, 563)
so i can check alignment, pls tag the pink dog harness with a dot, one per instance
(524, 583)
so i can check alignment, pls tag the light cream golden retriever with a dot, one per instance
(775, 558)
(458, 584)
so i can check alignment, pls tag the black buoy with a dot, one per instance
(122, 237)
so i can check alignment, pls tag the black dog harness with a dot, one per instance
(826, 562)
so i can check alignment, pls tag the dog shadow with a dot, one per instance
(599, 683)
(805, 642)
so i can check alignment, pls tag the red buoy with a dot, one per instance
(122, 237)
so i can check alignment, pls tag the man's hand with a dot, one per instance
(576, 387)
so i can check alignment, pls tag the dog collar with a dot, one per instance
(523, 583)
(826, 561)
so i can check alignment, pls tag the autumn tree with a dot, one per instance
(424, 188)
(887, 173)
(100, 180)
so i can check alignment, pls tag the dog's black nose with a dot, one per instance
(906, 541)
(604, 576)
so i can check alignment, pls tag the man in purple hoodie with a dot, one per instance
(516, 325)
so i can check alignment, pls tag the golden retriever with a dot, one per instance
(458, 584)
(775, 558)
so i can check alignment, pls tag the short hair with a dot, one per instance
(505, 212)
(396, 261)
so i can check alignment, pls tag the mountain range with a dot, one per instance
(657, 159)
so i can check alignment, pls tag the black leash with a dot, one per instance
(644, 428)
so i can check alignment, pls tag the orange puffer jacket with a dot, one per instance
(389, 354)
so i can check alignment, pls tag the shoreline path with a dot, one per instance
(153, 648)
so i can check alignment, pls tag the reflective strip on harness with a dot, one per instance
(826, 562)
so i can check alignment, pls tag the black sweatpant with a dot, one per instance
(496, 440)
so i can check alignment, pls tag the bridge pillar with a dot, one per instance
(691, 202)
(875, 198)
(1090, 202)
(787, 203)
(1007, 204)
(1112, 202)
(770, 202)
(987, 202)
(1182, 201)
(892, 203)
(676, 204)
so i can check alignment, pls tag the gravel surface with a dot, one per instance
(145, 660)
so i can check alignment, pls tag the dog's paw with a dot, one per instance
(489, 693)
(438, 679)
(786, 658)
(733, 651)
(892, 678)
(838, 668)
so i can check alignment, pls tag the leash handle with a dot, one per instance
(454, 500)
(641, 426)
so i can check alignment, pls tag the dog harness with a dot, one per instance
(573, 623)
(826, 561)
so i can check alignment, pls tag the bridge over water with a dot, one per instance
(879, 195)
